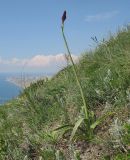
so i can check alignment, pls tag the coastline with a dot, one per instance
(8, 89)
(23, 83)
(16, 83)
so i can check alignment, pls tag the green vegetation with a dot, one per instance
(39, 123)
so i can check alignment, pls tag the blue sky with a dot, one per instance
(30, 33)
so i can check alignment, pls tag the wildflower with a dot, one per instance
(63, 17)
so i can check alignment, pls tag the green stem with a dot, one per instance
(76, 76)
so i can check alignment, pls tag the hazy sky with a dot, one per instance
(30, 30)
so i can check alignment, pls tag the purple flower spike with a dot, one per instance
(64, 17)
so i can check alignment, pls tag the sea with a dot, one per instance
(8, 90)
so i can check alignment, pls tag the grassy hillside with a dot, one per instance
(28, 124)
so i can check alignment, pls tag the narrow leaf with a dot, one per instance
(77, 124)
(101, 119)
(63, 127)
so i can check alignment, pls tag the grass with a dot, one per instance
(27, 124)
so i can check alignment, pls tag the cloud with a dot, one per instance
(37, 62)
(101, 16)
(45, 61)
